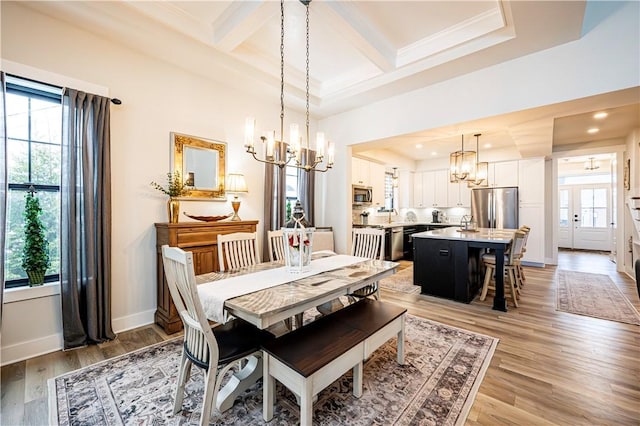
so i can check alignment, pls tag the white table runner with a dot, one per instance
(213, 294)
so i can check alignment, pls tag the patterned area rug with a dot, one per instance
(437, 385)
(594, 295)
(401, 281)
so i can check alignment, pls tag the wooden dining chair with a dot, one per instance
(511, 264)
(276, 245)
(215, 350)
(369, 243)
(237, 250)
(520, 271)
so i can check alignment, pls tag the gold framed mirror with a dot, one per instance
(201, 163)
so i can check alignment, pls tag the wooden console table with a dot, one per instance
(201, 239)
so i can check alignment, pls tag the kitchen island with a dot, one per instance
(447, 262)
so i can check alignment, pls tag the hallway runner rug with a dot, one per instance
(594, 295)
(443, 369)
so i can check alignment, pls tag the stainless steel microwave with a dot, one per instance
(361, 195)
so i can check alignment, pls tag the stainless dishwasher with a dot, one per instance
(397, 241)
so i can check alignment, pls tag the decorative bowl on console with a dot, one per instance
(208, 218)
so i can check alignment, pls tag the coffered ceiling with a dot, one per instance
(360, 52)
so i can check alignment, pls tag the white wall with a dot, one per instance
(605, 59)
(158, 98)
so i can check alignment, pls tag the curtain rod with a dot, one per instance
(114, 101)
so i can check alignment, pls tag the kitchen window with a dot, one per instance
(34, 132)
(389, 192)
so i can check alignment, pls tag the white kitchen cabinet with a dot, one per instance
(458, 195)
(531, 181)
(360, 171)
(430, 188)
(405, 189)
(418, 190)
(376, 176)
(504, 173)
(533, 216)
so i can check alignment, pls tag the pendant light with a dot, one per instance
(591, 164)
(482, 169)
(462, 165)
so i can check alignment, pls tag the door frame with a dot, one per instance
(553, 225)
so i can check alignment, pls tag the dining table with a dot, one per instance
(266, 293)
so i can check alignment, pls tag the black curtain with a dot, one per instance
(275, 211)
(306, 186)
(85, 195)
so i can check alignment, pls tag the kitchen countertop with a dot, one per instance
(403, 224)
(482, 234)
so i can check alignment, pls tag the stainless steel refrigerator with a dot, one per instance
(495, 207)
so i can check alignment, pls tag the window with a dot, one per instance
(291, 183)
(34, 129)
(389, 199)
(594, 208)
(564, 208)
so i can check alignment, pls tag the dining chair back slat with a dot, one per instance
(276, 245)
(369, 243)
(237, 250)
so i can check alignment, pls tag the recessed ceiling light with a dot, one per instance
(434, 153)
(419, 146)
(600, 115)
(593, 130)
(487, 145)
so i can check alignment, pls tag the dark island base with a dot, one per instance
(448, 269)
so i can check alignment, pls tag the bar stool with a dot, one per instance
(511, 264)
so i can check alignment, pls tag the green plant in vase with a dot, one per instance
(175, 188)
(35, 254)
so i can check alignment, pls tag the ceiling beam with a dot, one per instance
(360, 32)
(240, 21)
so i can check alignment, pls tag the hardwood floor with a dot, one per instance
(550, 367)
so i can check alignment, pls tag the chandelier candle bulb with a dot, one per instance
(320, 145)
(331, 152)
(271, 143)
(294, 137)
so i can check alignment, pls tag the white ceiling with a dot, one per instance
(361, 52)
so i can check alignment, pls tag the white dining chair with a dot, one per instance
(276, 245)
(323, 239)
(213, 350)
(369, 243)
(237, 250)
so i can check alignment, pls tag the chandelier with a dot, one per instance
(304, 157)
(591, 164)
(482, 169)
(462, 165)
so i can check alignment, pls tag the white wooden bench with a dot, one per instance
(310, 358)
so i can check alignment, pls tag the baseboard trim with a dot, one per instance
(55, 342)
(31, 348)
(534, 264)
(136, 320)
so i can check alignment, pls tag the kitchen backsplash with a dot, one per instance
(452, 215)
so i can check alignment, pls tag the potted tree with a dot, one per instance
(35, 254)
